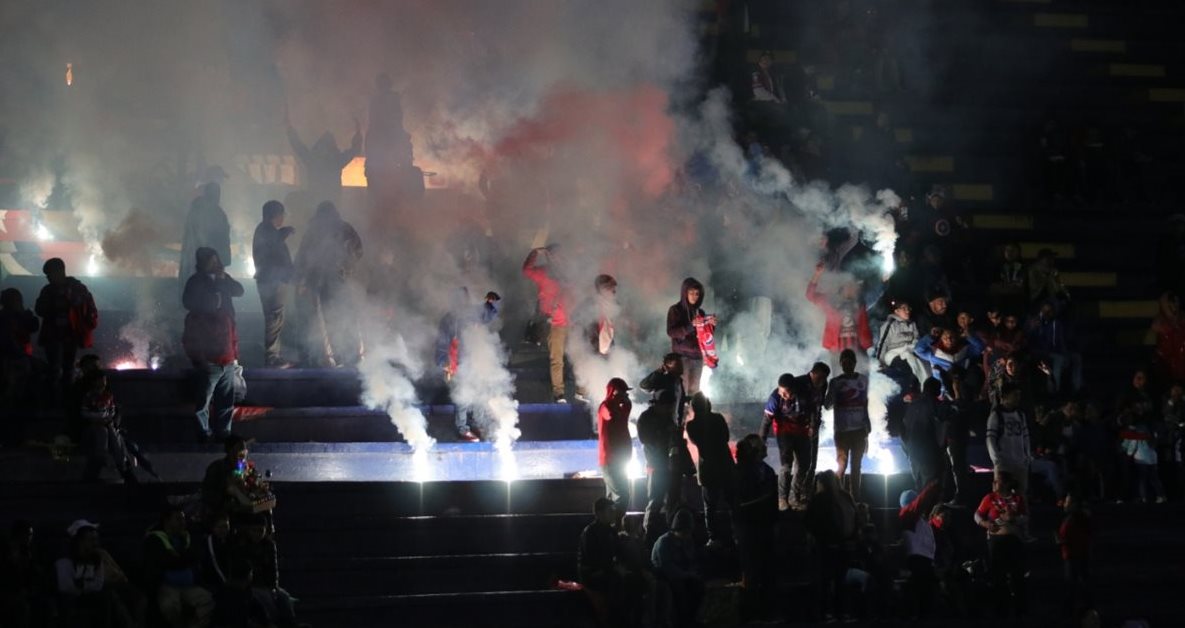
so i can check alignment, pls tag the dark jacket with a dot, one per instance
(613, 428)
(656, 432)
(680, 321)
(757, 495)
(658, 381)
(709, 432)
(16, 331)
(269, 250)
(329, 249)
(811, 398)
(68, 314)
(596, 555)
(210, 332)
(921, 435)
(214, 486)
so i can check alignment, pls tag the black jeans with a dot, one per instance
(716, 499)
(920, 586)
(1006, 562)
(659, 501)
(794, 452)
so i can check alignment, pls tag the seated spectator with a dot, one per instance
(896, 342)
(235, 603)
(918, 538)
(831, 520)
(1139, 448)
(936, 317)
(1044, 280)
(1169, 327)
(675, 565)
(868, 573)
(23, 594)
(1049, 338)
(91, 585)
(767, 87)
(17, 326)
(1004, 515)
(1049, 448)
(948, 350)
(256, 545)
(756, 520)
(596, 560)
(104, 434)
(218, 485)
(171, 566)
(217, 551)
(1009, 287)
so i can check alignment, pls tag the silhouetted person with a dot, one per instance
(329, 251)
(211, 341)
(323, 161)
(17, 326)
(390, 173)
(68, 321)
(709, 431)
(463, 316)
(206, 225)
(614, 445)
(658, 434)
(274, 273)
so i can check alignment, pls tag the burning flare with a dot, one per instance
(69, 74)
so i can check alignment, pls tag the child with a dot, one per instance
(1139, 445)
(101, 419)
(1074, 536)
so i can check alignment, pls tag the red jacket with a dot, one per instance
(210, 332)
(613, 427)
(551, 298)
(68, 314)
(835, 321)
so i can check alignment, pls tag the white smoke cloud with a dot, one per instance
(484, 386)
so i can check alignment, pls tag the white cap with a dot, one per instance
(79, 525)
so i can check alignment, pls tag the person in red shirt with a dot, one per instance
(1003, 514)
(847, 319)
(1074, 537)
(553, 304)
(615, 447)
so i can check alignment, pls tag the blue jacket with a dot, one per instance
(926, 351)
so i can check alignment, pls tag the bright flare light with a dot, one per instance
(92, 267)
(705, 380)
(421, 467)
(43, 233)
(127, 365)
(69, 74)
(887, 264)
(250, 266)
(507, 465)
(635, 469)
(154, 362)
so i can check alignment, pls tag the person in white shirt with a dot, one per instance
(847, 396)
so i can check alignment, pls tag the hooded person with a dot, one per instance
(685, 320)
(206, 225)
(658, 433)
(325, 261)
(897, 339)
(273, 277)
(68, 320)
(323, 162)
(211, 341)
(614, 444)
(390, 170)
(462, 316)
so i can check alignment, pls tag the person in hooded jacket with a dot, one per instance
(614, 445)
(325, 261)
(897, 339)
(684, 320)
(68, 321)
(211, 341)
(206, 225)
(323, 162)
(709, 432)
(658, 433)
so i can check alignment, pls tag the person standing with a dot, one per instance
(273, 275)
(601, 332)
(812, 390)
(453, 325)
(709, 432)
(206, 225)
(171, 568)
(1008, 438)
(847, 395)
(657, 433)
(922, 443)
(792, 428)
(323, 162)
(1004, 515)
(68, 322)
(847, 319)
(539, 267)
(211, 341)
(325, 261)
(756, 523)
(685, 319)
(614, 446)
(17, 326)
(669, 378)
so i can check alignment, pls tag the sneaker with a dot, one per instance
(561, 399)
(469, 437)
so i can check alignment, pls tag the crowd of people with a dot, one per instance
(210, 560)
